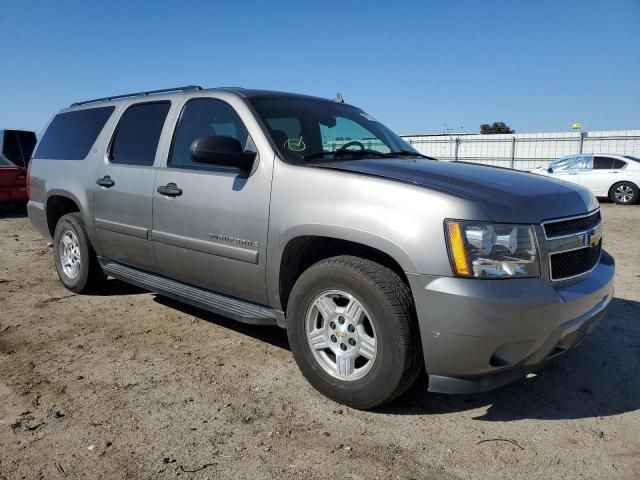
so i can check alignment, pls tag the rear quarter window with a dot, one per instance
(71, 135)
(619, 164)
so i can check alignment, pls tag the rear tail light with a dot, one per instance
(21, 176)
(29, 180)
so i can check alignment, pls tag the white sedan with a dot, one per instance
(614, 176)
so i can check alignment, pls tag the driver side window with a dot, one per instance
(572, 164)
(346, 131)
(587, 162)
(204, 117)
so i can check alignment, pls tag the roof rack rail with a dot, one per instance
(136, 94)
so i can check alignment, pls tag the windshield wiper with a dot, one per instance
(408, 153)
(342, 153)
(365, 153)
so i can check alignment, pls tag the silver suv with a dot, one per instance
(307, 213)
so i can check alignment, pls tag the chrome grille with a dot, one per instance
(572, 225)
(573, 245)
(575, 262)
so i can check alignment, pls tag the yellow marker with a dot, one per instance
(458, 252)
(576, 126)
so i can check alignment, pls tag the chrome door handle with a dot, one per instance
(105, 181)
(170, 190)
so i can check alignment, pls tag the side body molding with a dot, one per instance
(242, 254)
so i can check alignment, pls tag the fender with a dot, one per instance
(276, 249)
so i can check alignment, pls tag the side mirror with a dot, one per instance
(223, 151)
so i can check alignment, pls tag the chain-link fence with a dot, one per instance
(524, 150)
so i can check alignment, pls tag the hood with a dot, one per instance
(507, 195)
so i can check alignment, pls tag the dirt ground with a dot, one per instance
(131, 385)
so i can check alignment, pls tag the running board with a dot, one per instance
(240, 310)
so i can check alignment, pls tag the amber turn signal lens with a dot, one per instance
(458, 252)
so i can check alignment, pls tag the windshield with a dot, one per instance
(306, 128)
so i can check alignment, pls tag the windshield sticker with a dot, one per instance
(295, 144)
(368, 117)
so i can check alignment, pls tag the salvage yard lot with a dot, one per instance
(127, 384)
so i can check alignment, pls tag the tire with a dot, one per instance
(624, 193)
(387, 316)
(85, 274)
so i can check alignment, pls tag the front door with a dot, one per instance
(122, 205)
(210, 223)
(569, 169)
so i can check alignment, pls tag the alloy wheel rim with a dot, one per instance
(69, 254)
(341, 335)
(624, 193)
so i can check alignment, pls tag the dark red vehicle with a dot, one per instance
(13, 183)
(15, 154)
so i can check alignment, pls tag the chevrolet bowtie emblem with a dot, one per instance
(341, 334)
(592, 237)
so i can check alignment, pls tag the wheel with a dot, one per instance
(353, 333)
(75, 260)
(624, 193)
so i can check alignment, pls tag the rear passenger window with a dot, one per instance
(71, 135)
(138, 133)
(203, 117)
(602, 163)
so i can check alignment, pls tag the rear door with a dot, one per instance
(124, 186)
(599, 174)
(213, 231)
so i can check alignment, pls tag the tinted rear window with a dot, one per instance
(136, 138)
(17, 146)
(28, 142)
(4, 162)
(602, 163)
(71, 135)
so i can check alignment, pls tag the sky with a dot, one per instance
(417, 66)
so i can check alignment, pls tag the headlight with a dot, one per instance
(492, 250)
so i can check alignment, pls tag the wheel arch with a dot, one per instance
(618, 182)
(59, 203)
(302, 251)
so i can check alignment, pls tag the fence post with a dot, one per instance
(513, 152)
(455, 150)
(581, 144)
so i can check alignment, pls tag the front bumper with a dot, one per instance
(481, 334)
